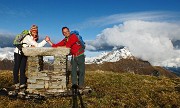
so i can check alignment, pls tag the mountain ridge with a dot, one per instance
(112, 56)
(117, 60)
(121, 60)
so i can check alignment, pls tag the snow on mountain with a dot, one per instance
(112, 56)
(7, 53)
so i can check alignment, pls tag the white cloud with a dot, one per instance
(148, 40)
(6, 39)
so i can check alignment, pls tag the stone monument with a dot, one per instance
(46, 82)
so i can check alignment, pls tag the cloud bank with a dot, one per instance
(145, 39)
(6, 40)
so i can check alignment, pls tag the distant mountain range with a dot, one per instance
(176, 44)
(175, 70)
(121, 54)
(7, 53)
(121, 60)
(115, 58)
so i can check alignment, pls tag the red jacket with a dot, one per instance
(71, 42)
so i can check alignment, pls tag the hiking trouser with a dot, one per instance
(78, 63)
(19, 64)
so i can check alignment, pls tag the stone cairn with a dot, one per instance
(46, 82)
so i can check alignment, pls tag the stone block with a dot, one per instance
(35, 86)
(40, 74)
(40, 81)
(44, 78)
(46, 84)
(58, 77)
(30, 74)
(55, 87)
(30, 80)
(56, 90)
(45, 51)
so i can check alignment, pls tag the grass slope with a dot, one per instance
(110, 89)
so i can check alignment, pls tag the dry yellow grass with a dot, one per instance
(110, 90)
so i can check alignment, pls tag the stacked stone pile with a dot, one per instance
(42, 81)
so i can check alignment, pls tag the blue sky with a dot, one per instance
(51, 15)
(90, 17)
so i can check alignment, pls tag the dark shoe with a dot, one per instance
(74, 86)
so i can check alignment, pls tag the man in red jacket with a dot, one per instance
(78, 58)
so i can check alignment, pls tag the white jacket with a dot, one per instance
(28, 40)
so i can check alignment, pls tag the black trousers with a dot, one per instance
(19, 64)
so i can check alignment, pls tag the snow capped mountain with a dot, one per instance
(7, 53)
(112, 56)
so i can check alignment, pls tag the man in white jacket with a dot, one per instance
(20, 59)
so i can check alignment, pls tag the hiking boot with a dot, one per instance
(23, 86)
(15, 86)
(22, 91)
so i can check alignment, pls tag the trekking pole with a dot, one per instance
(74, 96)
(67, 72)
(81, 100)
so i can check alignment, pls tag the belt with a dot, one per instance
(78, 54)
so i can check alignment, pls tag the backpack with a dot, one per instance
(18, 39)
(81, 41)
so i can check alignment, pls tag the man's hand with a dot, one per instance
(47, 38)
